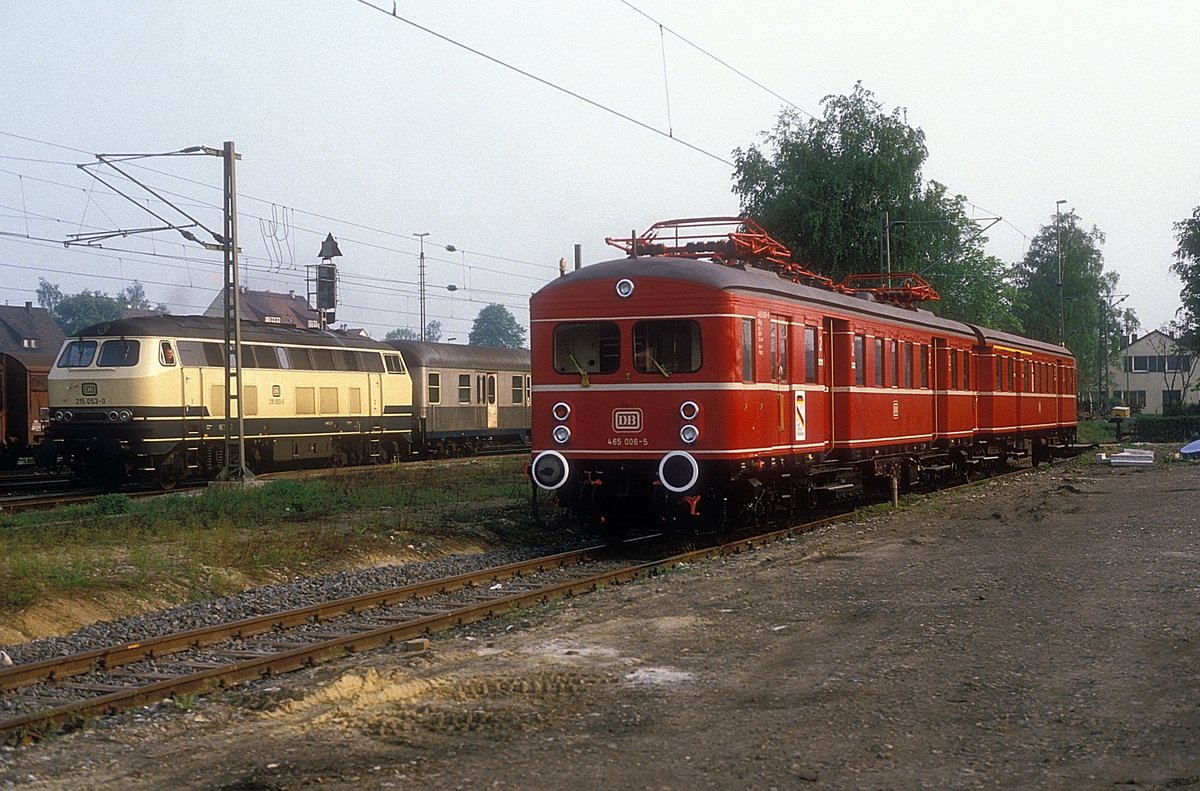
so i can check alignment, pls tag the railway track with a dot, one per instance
(62, 693)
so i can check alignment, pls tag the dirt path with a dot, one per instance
(1042, 632)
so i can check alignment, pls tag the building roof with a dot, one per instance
(21, 324)
(288, 309)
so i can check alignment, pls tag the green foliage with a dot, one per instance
(1085, 309)
(822, 186)
(433, 333)
(1168, 428)
(110, 504)
(1187, 267)
(495, 326)
(75, 311)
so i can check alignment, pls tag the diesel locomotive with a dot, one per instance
(143, 399)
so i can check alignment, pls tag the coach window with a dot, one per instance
(166, 354)
(895, 363)
(998, 361)
(924, 366)
(953, 369)
(908, 366)
(1008, 374)
(747, 350)
(667, 346)
(528, 380)
(464, 388)
(118, 353)
(860, 360)
(491, 389)
(518, 389)
(966, 369)
(879, 362)
(434, 388)
(587, 348)
(810, 355)
(78, 354)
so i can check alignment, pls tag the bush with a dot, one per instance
(1167, 428)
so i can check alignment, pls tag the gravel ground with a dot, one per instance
(1041, 632)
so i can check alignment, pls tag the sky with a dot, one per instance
(376, 125)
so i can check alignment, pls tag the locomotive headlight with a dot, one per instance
(561, 410)
(678, 471)
(689, 433)
(68, 416)
(549, 469)
(112, 416)
(625, 288)
(688, 410)
(58, 416)
(124, 416)
(561, 434)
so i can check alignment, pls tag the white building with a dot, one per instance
(1152, 372)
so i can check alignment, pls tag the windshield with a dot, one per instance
(77, 354)
(118, 353)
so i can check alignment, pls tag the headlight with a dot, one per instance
(624, 288)
(561, 410)
(688, 410)
(550, 469)
(689, 434)
(561, 434)
(58, 416)
(125, 416)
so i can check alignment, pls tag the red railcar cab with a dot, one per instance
(688, 389)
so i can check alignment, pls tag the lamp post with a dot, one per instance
(421, 280)
(1062, 313)
(1106, 309)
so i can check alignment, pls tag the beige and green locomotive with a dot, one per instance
(144, 399)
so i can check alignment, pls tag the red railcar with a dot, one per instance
(699, 391)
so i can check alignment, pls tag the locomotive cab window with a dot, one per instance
(119, 353)
(666, 347)
(77, 354)
(591, 348)
(166, 353)
(392, 362)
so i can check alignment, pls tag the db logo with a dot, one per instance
(627, 420)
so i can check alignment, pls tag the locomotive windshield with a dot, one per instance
(77, 354)
(666, 347)
(587, 348)
(119, 353)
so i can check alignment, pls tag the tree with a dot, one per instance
(822, 186)
(1084, 311)
(495, 326)
(433, 333)
(48, 294)
(133, 297)
(1187, 267)
(80, 310)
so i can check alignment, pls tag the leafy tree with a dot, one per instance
(1187, 267)
(495, 326)
(48, 294)
(1085, 309)
(433, 333)
(133, 297)
(80, 310)
(822, 186)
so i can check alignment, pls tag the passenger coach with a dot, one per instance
(704, 378)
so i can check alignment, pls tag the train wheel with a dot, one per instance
(170, 473)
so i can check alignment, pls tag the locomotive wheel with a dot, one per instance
(170, 473)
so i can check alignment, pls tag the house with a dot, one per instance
(29, 332)
(1152, 372)
(288, 309)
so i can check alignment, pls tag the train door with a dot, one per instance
(493, 407)
(941, 386)
(781, 378)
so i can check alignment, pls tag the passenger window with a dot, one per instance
(666, 347)
(300, 359)
(592, 347)
(908, 366)
(860, 361)
(166, 354)
(879, 362)
(810, 355)
(265, 357)
(77, 354)
(895, 363)
(118, 353)
(924, 366)
(747, 350)
(491, 389)
(953, 369)
(434, 387)
(464, 388)
(518, 389)
(322, 359)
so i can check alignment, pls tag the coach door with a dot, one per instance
(487, 395)
(780, 378)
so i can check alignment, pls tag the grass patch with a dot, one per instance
(182, 547)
